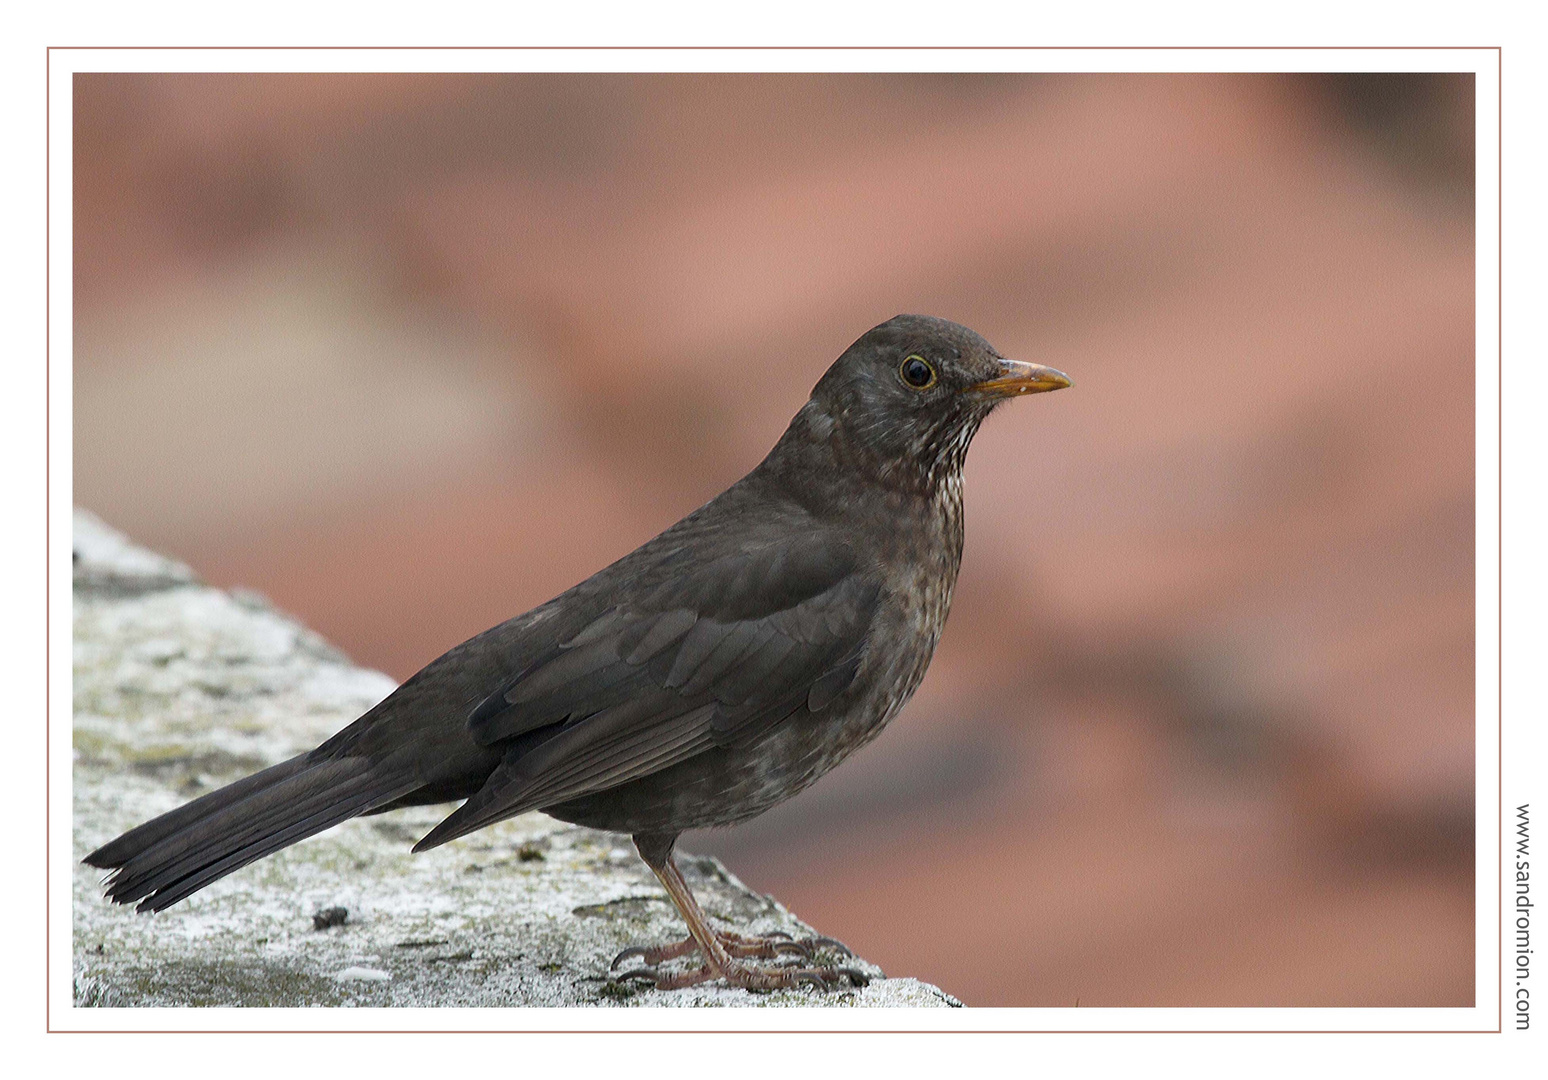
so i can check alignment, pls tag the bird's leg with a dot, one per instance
(722, 950)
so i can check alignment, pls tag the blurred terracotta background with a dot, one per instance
(410, 354)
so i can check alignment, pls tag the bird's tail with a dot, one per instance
(180, 852)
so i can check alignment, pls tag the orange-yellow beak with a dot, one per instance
(1017, 378)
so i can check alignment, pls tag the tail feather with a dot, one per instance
(296, 799)
(117, 852)
(186, 885)
(175, 855)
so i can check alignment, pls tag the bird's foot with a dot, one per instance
(738, 947)
(745, 977)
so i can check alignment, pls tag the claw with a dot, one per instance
(631, 951)
(655, 954)
(643, 974)
(824, 978)
(754, 948)
(830, 943)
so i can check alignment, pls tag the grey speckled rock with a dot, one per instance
(180, 688)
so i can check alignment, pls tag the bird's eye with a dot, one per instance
(917, 372)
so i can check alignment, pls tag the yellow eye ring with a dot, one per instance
(916, 372)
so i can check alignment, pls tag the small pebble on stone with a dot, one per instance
(330, 916)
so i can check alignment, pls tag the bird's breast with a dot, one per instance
(920, 560)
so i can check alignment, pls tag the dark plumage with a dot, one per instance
(718, 669)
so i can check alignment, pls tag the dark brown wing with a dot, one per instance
(712, 653)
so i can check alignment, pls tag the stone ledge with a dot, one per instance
(180, 688)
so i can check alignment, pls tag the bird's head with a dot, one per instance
(906, 399)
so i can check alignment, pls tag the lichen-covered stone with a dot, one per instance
(180, 688)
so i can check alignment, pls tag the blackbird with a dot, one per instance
(713, 672)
